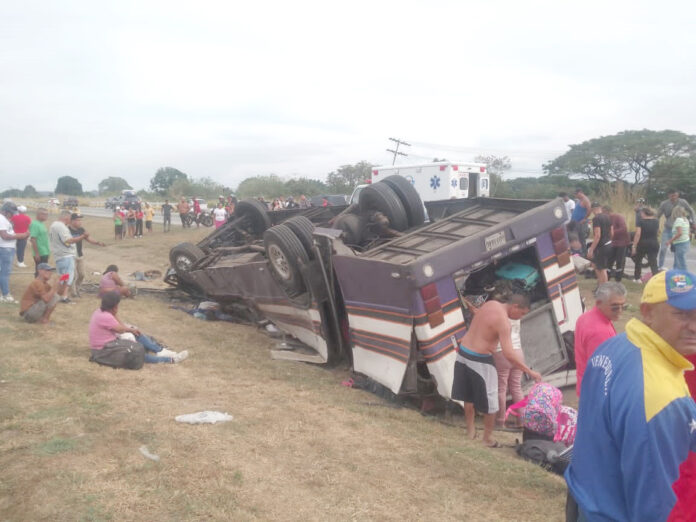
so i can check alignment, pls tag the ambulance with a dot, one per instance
(442, 179)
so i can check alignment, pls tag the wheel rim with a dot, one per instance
(183, 263)
(279, 262)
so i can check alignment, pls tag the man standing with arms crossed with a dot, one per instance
(475, 377)
(64, 250)
(167, 215)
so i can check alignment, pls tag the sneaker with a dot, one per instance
(66, 300)
(180, 356)
(638, 281)
(8, 299)
(21, 265)
(166, 352)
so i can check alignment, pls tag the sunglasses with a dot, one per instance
(617, 307)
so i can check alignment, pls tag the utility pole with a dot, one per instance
(395, 151)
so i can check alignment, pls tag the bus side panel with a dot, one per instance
(380, 340)
(561, 284)
(434, 342)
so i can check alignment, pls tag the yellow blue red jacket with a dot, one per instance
(636, 427)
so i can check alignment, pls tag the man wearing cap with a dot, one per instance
(20, 223)
(637, 422)
(64, 250)
(77, 231)
(8, 242)
(40, 297)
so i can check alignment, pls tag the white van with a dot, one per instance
(442, 179)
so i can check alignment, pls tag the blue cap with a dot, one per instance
(44, 266)
(677, 288)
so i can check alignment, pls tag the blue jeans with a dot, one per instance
(6, 258)
(680, 250)
(151, 346)
(66, 265)
(666, 236)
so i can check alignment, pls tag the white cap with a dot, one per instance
(22, 208)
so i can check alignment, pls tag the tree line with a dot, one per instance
(641, 163)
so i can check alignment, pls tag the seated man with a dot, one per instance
(40, 297)
(105, 327)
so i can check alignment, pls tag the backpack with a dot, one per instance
(542, 408)
(552, 456)
(120, 353)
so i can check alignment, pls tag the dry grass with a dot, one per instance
(301, 447)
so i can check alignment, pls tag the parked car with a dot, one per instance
(371, 285)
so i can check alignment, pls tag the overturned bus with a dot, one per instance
(376, 286)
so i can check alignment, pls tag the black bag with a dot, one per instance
(552, 456)
(120, 353)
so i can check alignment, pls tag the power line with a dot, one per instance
(395, 151)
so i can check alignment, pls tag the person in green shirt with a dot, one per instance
(39, 238)
(680, 241)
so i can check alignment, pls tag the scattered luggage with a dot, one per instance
(120, 353)
(525, 276)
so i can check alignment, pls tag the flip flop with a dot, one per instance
(494, 444)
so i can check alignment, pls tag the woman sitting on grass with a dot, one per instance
(112, 282)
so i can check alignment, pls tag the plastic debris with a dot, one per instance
(146, 453)
(204, 417)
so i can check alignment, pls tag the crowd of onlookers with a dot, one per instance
(599, 233)
(63, 240)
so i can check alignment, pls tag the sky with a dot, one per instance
(229, 90)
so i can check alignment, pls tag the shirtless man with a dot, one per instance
(475, 376)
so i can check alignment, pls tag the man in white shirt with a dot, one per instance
(8, 242)
(569, 204)
(64, 250)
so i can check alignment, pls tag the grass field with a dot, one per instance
(300, 447)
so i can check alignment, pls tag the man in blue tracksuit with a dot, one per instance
(637, 421)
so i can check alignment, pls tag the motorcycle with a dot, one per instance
(204, 218)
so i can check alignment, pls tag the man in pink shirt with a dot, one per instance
(595, 326)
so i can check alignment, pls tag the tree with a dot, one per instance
(30, 192)
(11, 193)
(113, 185)
(497, 166)
(628, 156)
(306, 186)
(347, 177)
(270, 186)
(165, 178)
(69, 186)
(673, 173)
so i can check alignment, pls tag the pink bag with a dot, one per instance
(541, 409)
(567, 426)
